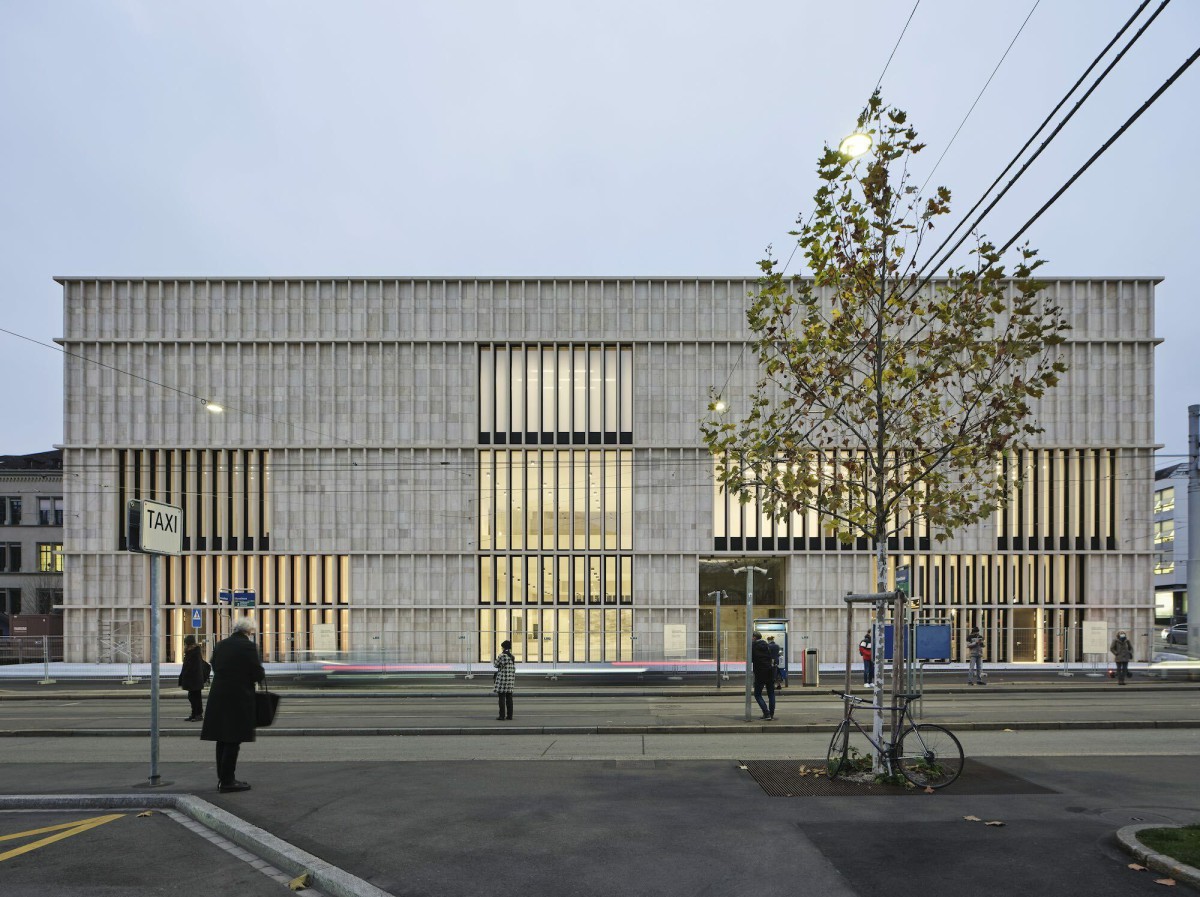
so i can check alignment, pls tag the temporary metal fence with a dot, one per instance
(668, 648)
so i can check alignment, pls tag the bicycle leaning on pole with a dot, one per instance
(929, 756)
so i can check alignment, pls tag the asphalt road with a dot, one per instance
(555, 813)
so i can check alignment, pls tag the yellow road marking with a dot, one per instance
(65, 830)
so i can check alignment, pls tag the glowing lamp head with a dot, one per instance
(854, 145)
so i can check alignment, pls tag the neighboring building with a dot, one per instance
(31, 535)
(414, 469)
(1170, 543)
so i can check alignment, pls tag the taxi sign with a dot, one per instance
(154, 528)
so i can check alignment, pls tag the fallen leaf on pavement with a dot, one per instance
(1008, 730)
(929, 790)
(972, 819)
(300, 882)
(145, 813)
(1137, 868)
(1169, 882)
(995, 822)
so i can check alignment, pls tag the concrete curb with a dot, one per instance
(287, 857)
(460, 692)
(700, 729)
(1159, 862)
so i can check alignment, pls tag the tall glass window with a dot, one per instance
(556, 521)
(556, 395)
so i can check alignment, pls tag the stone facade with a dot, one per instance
(343, 478)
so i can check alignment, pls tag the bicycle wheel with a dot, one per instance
(835, 759)
(929, 756)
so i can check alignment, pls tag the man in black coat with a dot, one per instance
(229, 717)
(764, 676)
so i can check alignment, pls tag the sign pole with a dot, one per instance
(749, 571)
(154, 664)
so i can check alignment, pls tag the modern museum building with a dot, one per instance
(406, 471)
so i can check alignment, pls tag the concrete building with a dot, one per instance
(31, 535)
(411, 470)
(1171, 543)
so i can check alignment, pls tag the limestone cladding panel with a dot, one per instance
(665, 580)
(672, 501)
(1119, 579)
(421, 635)
(364, 393)
(436, 580)
(403, 500)
(443, 309)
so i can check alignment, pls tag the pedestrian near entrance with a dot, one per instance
(194, 676)
(229, 717)
(975, 658)
(764, 675)
(506, 679)
(864, 651)
(1122, 652)
(777, 662)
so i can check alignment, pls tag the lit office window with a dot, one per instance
(1164, 500)
(1164, 532)
(50, 557)
(557, 500)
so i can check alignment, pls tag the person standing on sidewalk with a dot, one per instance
(1122, 652)
(506, 679)
(194, 676)
(777, 662)
(975, 660)
(229, 718)
(864, 651)
(764, 675)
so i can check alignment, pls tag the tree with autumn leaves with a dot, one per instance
(886, 397)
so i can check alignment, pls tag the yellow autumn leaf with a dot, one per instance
(1169, 882)
(300, 882)
(145, 813)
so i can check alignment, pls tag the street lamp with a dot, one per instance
(855, 145)
(211, 407)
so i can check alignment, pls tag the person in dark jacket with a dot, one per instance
(764, 675)
(194, 676)
(229, 718)
(1122, 652)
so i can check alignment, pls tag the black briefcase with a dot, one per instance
(266, 705)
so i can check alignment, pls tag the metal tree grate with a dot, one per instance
(806, 778)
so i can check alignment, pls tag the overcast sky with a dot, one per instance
(151, 138)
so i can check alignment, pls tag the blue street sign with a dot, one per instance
(225, 595)
(243, 597)
(197, 620)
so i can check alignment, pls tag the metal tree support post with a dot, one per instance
(1193, 506)
(749, 571)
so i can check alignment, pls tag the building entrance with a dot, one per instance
(725, 630)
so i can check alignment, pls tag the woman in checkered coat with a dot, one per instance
(506, 678)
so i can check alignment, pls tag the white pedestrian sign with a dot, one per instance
(197, 619)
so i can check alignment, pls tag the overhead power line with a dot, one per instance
(1111, 140)
(934, 262)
